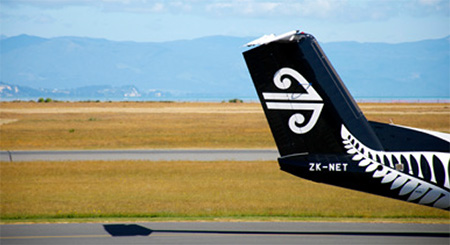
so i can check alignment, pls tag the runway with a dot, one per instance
(225, 233)
(150, 155)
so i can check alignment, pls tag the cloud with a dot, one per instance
(243, 7)
(346, 10)
(46, 4)
(342, 10)
(154, 8)
(430, 7)
(430, 2)
(44, 19)
(127, 6)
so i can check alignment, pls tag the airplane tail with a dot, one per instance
(304, 100)
(322, 135)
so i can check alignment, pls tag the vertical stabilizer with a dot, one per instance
(304, 99)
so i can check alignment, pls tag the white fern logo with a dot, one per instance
(389, 171)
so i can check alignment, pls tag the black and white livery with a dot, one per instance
(322, 135)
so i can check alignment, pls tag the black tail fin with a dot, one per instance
(323, 136)
(304, 100)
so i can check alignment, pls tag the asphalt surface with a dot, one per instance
(151, 155)
(225, 233)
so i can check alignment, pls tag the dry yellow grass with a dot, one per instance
(182, 189)
(133, 125)
(136, 125)
(427, 116)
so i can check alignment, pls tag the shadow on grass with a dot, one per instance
(117, 230)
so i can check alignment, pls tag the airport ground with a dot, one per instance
(179, 190)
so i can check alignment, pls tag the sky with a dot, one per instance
(391, 21)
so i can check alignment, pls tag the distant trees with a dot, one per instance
(42, 100)
(235, 101)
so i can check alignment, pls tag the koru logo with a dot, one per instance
(283, 80)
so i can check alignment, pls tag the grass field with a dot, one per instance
(143, 125)
(186, 190)
(56, 191)
(133, 125)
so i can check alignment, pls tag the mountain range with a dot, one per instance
(204, 68)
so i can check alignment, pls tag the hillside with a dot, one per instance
(210, 67)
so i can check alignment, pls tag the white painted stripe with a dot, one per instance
(293, 106)
(291, 96)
